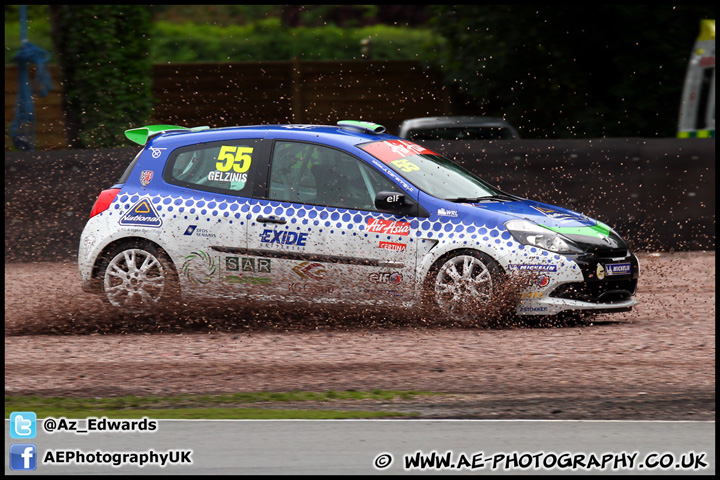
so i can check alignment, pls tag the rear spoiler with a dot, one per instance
(142, 134)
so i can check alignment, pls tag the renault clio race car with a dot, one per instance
(340, 214)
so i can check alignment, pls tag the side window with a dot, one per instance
(222, 167)
(307, 173)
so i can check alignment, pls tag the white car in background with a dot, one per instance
(457, 128)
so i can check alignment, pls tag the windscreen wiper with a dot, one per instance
(501, 197)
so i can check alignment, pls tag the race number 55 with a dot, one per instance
(405, 165)
(237, 158)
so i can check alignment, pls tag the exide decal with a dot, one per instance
(282, 239)
(142, 214)
(389, 227)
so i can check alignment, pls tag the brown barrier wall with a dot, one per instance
(658, 193)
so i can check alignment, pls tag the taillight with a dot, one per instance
(104, 200)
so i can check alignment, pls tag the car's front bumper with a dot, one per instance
(601, 289)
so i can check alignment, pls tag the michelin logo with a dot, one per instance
(618, 269)
(533, 268)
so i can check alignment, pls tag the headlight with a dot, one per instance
(529, 233)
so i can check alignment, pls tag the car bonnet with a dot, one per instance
(588, 233)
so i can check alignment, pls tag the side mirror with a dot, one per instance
(390, 201)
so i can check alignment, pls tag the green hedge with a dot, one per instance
(264, 40)
(269, 40)
(107, 74)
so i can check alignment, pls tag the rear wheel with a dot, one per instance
(137, 278)
(463, 286)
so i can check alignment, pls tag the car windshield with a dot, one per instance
(430, 172)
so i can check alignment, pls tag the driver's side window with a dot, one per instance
(315, 174)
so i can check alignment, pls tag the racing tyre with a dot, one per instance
(464, 286)
(137, 278)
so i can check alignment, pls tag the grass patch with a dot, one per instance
(222, 406)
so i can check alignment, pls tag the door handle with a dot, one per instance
(391, 264)
(271, 220)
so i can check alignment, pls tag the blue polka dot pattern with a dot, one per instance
(450, 232)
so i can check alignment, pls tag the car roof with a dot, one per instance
(339, 136)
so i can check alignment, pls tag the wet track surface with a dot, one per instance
(656, 362)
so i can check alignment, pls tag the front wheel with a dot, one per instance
(137, 278)
(465, 287)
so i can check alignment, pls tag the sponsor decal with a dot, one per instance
(386, 277)
(543, 280)
(532, 295)
(390, 150)
(391, 173)
(247, 280)
(389, 227)
(398, 247)
(142, 214)
(199, 267)
(248, 264)
(618, 269)
(558, 215)
(284, 239)
(600, 271)
(88, 243)
(146, 177)
(199, 232)
(533, 309)
(533, 268)
(307, 270)
(156, 152)
(447, 213)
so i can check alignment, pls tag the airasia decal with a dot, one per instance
(389, 150)
(389, 227)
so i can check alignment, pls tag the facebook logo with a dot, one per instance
(23, 424)
(23, 456)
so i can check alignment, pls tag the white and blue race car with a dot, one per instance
(340, 214)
